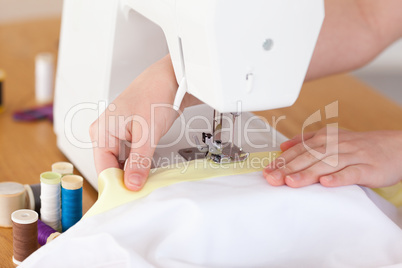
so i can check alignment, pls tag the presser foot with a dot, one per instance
(229, 154)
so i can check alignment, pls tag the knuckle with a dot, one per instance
(320, 138)
(298, 137)
(287, 169)
(307, 175)
(334, 161)
(93, 129)
(139, 161)
(331, 148)
(299, 149)
(309, 157)
(355, 174)
(361, 154)
(337, 177)
(345, 146)
(280, 162)
(350, 175)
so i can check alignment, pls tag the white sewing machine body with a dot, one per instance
(233, 55)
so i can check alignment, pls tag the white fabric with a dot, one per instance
(233, 221)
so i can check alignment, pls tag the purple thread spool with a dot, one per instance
(46, 233)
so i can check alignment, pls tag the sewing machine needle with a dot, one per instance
(232, 136)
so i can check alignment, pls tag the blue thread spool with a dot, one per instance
(71, 200)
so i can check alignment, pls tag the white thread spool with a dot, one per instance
(14, 196)
(44, 77)
(50, 199)
(64, 168)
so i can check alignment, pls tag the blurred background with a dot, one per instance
(384, 73)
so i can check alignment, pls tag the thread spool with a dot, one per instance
(46, 233)
(36, 194)
(71, 200)
(30, 198)
(2, 78)
(44, 76)
(50, 199)
(14, 196)
(64, 168)
(25, 232)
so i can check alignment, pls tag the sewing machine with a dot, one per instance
(235, 56)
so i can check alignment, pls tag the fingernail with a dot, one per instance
(135, 180)
(275, 175)
(328, 178)
(293, 177)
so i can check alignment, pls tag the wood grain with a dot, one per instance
(359, 107)
(27, 149)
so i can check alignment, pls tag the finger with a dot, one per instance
(320, 145)
(140, 157)
(328, 165)
(137, 168)
(297, 150)
(286, 167)
(104, 149)
(309, 135)
(274, 181)
(104, 159)
(295, 140)
(347, 176)
(298, 164)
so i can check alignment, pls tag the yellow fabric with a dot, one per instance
(113, 193)
(393, 193)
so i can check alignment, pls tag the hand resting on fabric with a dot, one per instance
(339, 157)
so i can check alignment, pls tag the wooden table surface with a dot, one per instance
(28, 149)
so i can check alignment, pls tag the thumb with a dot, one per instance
(139, 160)
(137, 168)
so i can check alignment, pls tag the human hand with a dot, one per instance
(124, 130)
(371, 159)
